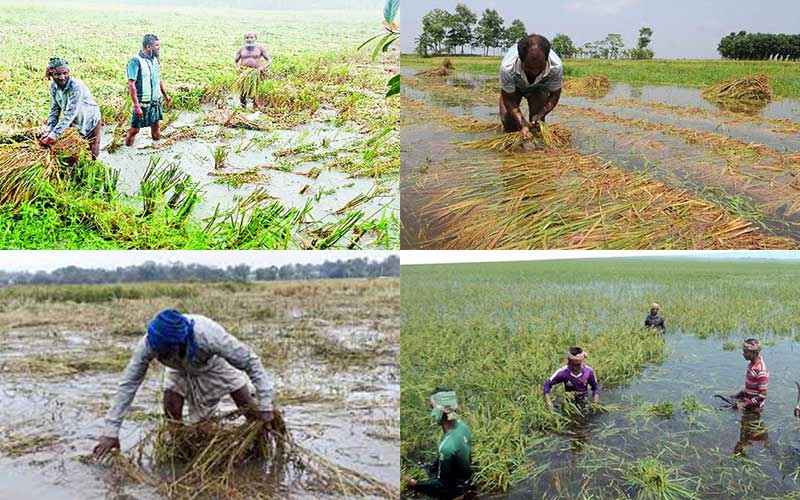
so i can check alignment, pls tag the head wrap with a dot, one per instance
(751, 345)
(168, 330)
(444, 403)
(655, 306)
(54, 64)
(577, 358)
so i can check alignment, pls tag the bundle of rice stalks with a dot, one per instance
(235, 119)
(588, 86)
(542, 137)
(248, 82)
(751, 89)
(221, 459)
(444, 69)
(25, 163)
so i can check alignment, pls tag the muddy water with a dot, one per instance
(329, 192)
(593, 454)
(351, 417)
(758, 193)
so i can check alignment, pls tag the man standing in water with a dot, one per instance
(146, 90)
(71, 105)
(533, 71)
(249, 56)
(576, 378)
(754, 394)
(203, 364)
(452, 472)
(654, 319)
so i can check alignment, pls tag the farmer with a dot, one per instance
(249, 56)
(71, 100)
(203, 363)
(452, 472)
(146, 90)
(530, 70)
(754, 394)
(576, 378)
(654, 319)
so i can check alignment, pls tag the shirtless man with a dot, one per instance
(249, 56)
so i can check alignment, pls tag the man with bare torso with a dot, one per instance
(249, 56)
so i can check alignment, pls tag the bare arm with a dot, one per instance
(238, 56)
(164, 93)
(512, 106)
(549, 104)
(266, 58)
(132, 92)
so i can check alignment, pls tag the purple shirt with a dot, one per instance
(573, 383)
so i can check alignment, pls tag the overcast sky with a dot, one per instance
(47, 260)
(683, 29)
(409, 257)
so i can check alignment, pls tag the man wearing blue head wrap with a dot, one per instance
(203, 363)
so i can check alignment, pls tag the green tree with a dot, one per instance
(434, 28)
(563, 46)
(614, 44)
(514, 33)
(489, 33)
(460, 27)
(645, 35)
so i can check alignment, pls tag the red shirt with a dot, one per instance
(755, 384)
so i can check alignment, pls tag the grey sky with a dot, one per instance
(683, 29)
(410, 257)
(376, 5)
(13, 260)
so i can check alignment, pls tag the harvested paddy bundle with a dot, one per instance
(218, 458)
(588, 86)
(25, 163)
(248, 82)
(751, 90)
(444, 69)
(542, 137)
(234, 119)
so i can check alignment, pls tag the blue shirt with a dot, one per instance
(135, 73)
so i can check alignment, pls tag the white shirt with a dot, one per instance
(513, 77)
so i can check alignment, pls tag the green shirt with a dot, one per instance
(455, 457)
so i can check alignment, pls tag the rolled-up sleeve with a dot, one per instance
(555, 79)
(507, 81)
(132, 378)
(241, 356)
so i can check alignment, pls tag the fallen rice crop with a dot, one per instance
(588, 86)
(751, 89)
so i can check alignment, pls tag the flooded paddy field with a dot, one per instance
(311, 161)
(739, 170)
(330, 346)
(502, 329)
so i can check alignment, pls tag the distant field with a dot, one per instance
(785, 76)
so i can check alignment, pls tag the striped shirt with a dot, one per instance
(755, 384)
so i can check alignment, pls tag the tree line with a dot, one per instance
(178, 271)
(444, 32)
(760, 46)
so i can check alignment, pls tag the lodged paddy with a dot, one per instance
(314, 166)
(495, 331)
(331, 347)
(645, 165)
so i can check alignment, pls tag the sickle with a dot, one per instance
(798, 393)
(728, 401)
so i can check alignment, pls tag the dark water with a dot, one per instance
(767, 459)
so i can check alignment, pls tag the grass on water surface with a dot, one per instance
(494, 332)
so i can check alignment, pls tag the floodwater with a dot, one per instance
(763, 191)
(712, 450)
(252, 150)
(350, 416)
